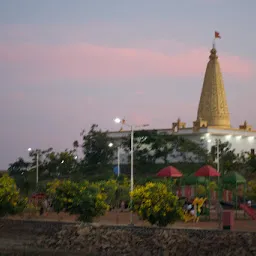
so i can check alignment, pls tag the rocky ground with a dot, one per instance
(105, 240)
(56, 238)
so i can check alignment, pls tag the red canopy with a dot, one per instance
(169, 171)
(207, 171)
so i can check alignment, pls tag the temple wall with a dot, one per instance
(239, 143)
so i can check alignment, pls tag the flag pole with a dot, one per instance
(213, 41)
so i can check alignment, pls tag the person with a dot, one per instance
(249, 203)
(189, 207)
(185, 206)
(192, 211)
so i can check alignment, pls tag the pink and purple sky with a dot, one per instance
(67, 64)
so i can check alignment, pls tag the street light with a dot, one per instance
(132, 127)
(118, 157)
(37, 164)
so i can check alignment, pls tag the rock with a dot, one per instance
(84, 231)
(103, 240)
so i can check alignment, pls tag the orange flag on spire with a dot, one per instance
(217, 35)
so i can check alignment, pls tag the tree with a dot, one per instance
(75, 144)
(190, 151)
(56, 164)
(164, 147)
(156, 203)
(10, 200)
(96, 148)
(19, 167)
(143, 140)
(249, 163)
(152, 146)
(228, 159)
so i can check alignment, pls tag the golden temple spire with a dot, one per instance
(213, 107)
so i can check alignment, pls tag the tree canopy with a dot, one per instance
(91, 155)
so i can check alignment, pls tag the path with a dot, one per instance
(124, 219)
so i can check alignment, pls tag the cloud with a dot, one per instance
(33, 62)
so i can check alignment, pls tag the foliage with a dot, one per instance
(152, 146)
(114, 191)
(155, 203)
(10, 200)
(150, 149)
(251, 192)
(89, 203)
(62, 163)
(96, 148)
(228, 159)
(83, 199)
(63, 193)
(31, 209)
(201, 190)
(213, 186)
(18, 167)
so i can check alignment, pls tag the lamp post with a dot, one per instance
(37, 163)
(123, 122)
(218, 154)
(118, 158)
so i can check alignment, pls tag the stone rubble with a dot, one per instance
(105, 240)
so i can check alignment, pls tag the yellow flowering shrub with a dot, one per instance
(82, 198)
(156, 203)
(114, 191)
(89, 203)
(10, 200)
(62, 193)
(52, 186)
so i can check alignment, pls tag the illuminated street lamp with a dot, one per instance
(37, 163)
(118, 157)
(132, 127)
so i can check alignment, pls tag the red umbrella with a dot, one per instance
(207, 171)
(169, 171)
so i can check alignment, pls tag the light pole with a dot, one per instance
(123, 122)
(118, 157)
(218, 154)
(37, 163)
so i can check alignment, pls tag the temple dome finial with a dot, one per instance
(213, 53)
(213, 106)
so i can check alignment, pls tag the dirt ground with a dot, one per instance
(123, 218)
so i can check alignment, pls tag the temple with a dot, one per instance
(213, 107)
(213, 120)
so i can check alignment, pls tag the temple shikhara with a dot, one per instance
(212, 122)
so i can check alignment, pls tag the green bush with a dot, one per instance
(83, 199)
(156, 203)
(10, 200)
